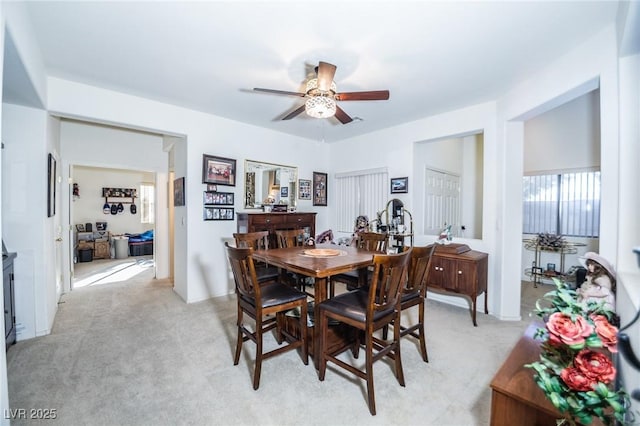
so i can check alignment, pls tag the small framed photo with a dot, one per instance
(536, 270)
(399, 185)
(304, 189)
(178, 192)
(212, 188)
(284, 192)
(319, 189)
(218, 170)
(218, 213)
(551, 266)
(218, 198)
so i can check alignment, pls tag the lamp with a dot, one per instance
(321, 103)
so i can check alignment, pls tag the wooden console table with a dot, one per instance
(455, 268)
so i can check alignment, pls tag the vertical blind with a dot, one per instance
(564, 204)
(360, 193)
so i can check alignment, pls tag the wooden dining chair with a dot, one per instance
(258, 241)
(259, 302)
(292, 238)
(368, 310)
(414, 293)
(372, 241)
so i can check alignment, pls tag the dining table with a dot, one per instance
(319, 262)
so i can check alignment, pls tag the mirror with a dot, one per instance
(267, 184)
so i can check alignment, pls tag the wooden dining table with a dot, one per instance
(302, 260)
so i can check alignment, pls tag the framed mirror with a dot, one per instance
(268, 184)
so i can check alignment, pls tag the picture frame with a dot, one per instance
(212, 188)
(218, 213)
(284, 192)
(178, 192)
(304, 189)
(218, 170)
(551, 266)
(218, 198)
(319, 189)
(536, 270)
(400, 185)
(51, 186)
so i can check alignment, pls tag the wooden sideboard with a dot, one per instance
(457, 269)
(254, 222)
(516, 399)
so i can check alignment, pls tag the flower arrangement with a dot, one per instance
(575, 370)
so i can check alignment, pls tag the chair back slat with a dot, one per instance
(389, 278)
(256, 240)
(373, 241)
(419, 266)
(290, 237)
(244, 273)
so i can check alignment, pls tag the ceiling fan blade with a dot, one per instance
(342, 116)
(372, 95)
(326, 71)
(294, 112)
(279, 92)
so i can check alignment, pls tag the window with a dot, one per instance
(360, 193)
(563, 204)
(147, 201)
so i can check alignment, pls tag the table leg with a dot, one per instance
(320, 294)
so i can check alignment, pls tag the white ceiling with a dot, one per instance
(433, 57)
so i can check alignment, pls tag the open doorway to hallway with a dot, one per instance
(113, 223)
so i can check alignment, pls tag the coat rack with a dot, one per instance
(120, 195)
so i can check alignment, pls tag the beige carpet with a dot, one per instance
(132, 353)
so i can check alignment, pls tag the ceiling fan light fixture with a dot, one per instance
(320, 107)
(312, 87)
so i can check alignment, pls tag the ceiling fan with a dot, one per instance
(322, 94)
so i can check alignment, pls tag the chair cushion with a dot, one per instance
(278, 293)
(352, 305)
(409, 296)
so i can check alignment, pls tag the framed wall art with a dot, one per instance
(319, 189)
(304, 186)
(218, 198)
(218, 170)
(399, 185)
(218, 213)
(51, 186)
(178, 192)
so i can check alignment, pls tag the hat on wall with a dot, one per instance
(120, 208)
(133, 209)
(114, 209)
(106, 209)
(599, 259)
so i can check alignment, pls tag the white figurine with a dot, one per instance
(600, 285)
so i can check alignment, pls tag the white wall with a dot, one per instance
(88, 208)
(24, 213)
(4, 388)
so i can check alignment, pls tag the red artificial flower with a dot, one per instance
(577, 380)
(607, 333)
(595, 365)
(563, 330)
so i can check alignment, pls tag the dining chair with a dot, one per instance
(258, 241)
(292, 238)
(260, 301)
(367, 310)
(372, 241)
(414, 293)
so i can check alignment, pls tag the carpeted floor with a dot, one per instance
(133, 353)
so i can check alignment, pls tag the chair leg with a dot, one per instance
(240, 340)
(396, 351)
(423, 340)
(323, 324)
(369, 374)
(385, 332)
(304, 332)
(258, 367)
